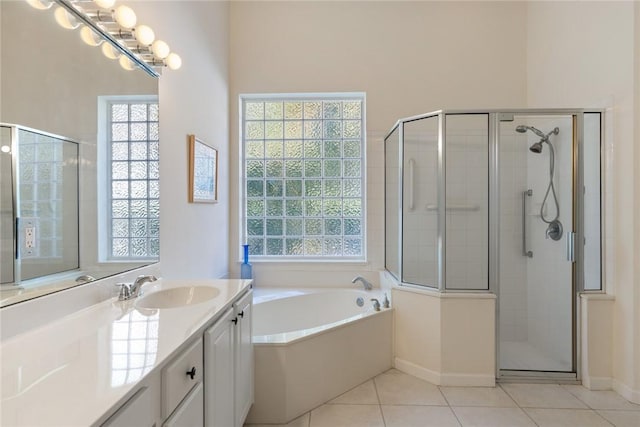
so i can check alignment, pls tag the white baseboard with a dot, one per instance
(445, 379)
(626, 391)
(597, 383)
(417, 371)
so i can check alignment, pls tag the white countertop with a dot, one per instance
(74, 370)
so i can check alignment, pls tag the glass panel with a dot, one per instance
(391, 202)
(592, 202)
(467, 201)
(536, 294)
(6, 209)
(420, 200)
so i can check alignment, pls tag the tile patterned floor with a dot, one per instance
(394, 399)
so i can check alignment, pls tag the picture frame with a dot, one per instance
(203, 172)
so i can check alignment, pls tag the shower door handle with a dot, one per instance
(571, 246)
(525, 251)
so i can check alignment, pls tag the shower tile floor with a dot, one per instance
(395, 399)
(522, 355)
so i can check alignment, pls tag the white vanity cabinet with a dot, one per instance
(207, 382)
(228, 355)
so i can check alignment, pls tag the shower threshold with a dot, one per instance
(514, 376)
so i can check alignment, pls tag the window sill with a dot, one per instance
(282, 260)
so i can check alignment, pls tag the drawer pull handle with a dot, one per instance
(235, 320)
(192, 372)
(241, 314)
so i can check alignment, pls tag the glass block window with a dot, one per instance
(133, 158)
(304, 176)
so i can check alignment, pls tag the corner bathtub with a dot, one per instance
(311, 345)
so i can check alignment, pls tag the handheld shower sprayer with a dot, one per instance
(555, 227)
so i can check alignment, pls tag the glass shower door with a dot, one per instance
(536, 224)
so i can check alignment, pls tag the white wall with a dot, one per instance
(409, 57)
(584, 57)
(193, 100)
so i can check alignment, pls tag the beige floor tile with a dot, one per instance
(302, 421)
(492, 417)
(567, 418)
(364, 394)
(607, 399)
(551, 396)
(477, 396)
(622, 418)
(347, 416)
(418, 416)
(397, 388)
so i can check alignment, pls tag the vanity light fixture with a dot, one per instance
(90, 37)
(133, 45)
(65, 19)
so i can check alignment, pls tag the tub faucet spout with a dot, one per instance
(367, 285)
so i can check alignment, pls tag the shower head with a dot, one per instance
(537, 147)
(523, 129)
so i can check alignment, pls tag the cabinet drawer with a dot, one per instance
(190, 412)
(176, 377)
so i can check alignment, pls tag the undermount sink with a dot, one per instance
(177, 297)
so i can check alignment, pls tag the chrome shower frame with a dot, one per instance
(495, 117)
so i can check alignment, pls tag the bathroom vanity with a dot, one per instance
(149, 361)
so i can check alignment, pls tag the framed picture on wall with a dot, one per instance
(203, 172)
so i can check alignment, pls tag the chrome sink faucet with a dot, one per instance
(367, 284)
(137, 284)
(133, 290)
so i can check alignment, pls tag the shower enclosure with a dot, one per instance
(38, 205)
(507, 202)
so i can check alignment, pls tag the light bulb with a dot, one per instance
(173, 61)
(5, 149)
(144, 34)
(126, 63)
(109, 51)
(40, 4)
(160, 49)
(90, 37)
(104, 4)
(125, 17)
(65, 19)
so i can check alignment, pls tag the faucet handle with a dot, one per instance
(125, 291)
(376, 304)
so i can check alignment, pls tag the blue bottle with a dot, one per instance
(245, 267)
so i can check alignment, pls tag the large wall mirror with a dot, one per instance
(79, 163)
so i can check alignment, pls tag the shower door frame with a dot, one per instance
(577, 267)
(495, 117)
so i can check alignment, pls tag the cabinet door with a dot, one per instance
(244, 358)
(218, 372)
(190, 413)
